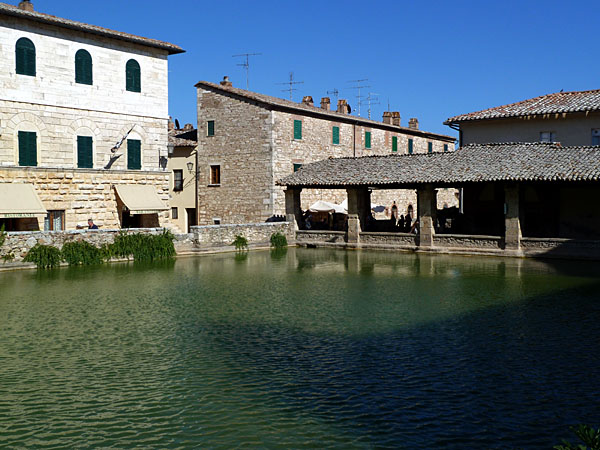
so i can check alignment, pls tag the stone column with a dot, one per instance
(364, 207)
(512, 222)
(293, 211)
(426, 205)
(353, 216)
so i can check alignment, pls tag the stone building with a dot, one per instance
(247, 141)
(83, 119)
(571, 118)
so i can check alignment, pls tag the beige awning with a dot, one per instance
(140, 199)
(19, 200)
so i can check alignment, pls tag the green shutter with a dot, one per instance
(297, 167)
(367, 139)
(85, 153)
(410, 146)
(27, 148)
(133, 76)
(134, 154)
(336, 135)
(297, 129)
(430, 147)
(83, 67)
(210, 128)
(394, 143)
(445, 148)
(25, 57)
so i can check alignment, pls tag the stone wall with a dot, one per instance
(308, 237)
(467, 241)
(255, 233)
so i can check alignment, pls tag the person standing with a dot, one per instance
(92, 225)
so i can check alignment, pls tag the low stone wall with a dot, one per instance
(223, 235)
(467, 241)
(388, 239)
(309, 237)
(561, 247)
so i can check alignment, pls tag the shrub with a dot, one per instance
(81, 252)
(240, 242)
(142, 247)
(44, 256)
(278, 240)
(588, 435)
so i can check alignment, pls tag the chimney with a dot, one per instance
(307, 100)
(226, 82)
(396, 118)
(326, 103)
(413, 123)
(188, 127)
(171, 124)
(387, 117)
(343, 107)
(26, 5)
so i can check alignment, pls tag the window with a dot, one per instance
(85, 152)
(134, 154)
(215, 175)
(178, 180)
(297, 167)
(430, 147)
(54, 221)
(297, 129)
(83, 67)
(133, 76)
(547, 136)
(210, 128)
(336, 135)
(27, 148)
(25, 57)
(394, 143)
(367, 139)
(445, 148)
(216, 221)
(596, 136)
(410, 146)
(174, 213)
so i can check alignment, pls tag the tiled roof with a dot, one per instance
(301, 108)
(6, 9)
(557, 103)
(183, 138)
(472, 163)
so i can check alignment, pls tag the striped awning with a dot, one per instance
(140, 199)
(19, 200)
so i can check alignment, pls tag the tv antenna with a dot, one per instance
(359, 86)
(246, 65)
(335, 93)
(372, 100)
(291, 85)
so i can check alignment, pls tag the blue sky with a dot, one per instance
(430, 59)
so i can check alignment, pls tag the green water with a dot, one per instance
(309, 348)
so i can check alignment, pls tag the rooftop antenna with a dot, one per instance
(372, 100)
(291, 85)
(359, 86)
(335, 93)
(246, 65)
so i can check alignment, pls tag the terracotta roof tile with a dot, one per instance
(183, 138)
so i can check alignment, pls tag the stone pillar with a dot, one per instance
(364, 207)
(512, 222)
(293, 211)
(426, 206)
(353, 216)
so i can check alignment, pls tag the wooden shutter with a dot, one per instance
(134, 154)
(394, 143)
(133, 76)
(85, 152)
(367, 139)
(297, 129)
(25, 57)
(445, 148)
(83, 67)
(430, 147)
(210, 128)
(410, 146)
(336, 135)
(297, 167)
(27, 148)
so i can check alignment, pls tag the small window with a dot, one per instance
(297, 129)
(83, 67)
(297, 167)
(28, 148)
(133, 76)
(394, 143)
(25, 57)
(215, 175)
(54, 221)
(336, 135)
(430, 147)
(547, 136)
(410, 146)
(178, 180)
(174, 213)
(85, 152)
(216, 221)
(210, 128)
(596, 136)
(445, 148)
(134, 154)
(367, 139)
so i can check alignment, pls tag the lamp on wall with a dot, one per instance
(190, 167)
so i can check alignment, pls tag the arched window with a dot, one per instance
(25, 57)
(133, 75)
(83, 67)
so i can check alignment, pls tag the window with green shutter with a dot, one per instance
(25, 57)
(210, 128)
(134, 154)
(445, 148)
(394, 143)
(133, 76)
(297, 129)
(85, 153)
(410, 146)
(297, 167)
(336, 135)
(430, 147)
(83, 67)
(367, 139)
(27, 148)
